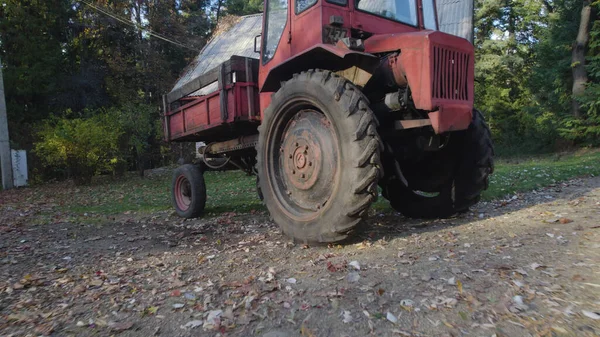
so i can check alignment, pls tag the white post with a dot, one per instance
(5, 155)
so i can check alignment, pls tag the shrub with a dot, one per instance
(84, 147)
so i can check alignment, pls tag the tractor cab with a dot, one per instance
(382, 46)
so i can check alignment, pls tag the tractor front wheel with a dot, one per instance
(188, 191)
(318, 157)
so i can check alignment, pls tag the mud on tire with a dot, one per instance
(318, 157)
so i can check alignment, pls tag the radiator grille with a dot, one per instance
(450, 70)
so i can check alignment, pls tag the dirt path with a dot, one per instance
(527, 266)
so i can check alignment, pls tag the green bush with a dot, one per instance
(83, 146)
(140, 130)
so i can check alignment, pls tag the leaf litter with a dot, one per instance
(236, 275)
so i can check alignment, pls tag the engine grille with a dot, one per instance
(450, 72)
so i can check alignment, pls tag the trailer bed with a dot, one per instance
(230, 109)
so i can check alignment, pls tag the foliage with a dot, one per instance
(587, 129)
(524, 74)
(139, 127)
(85, 146)
(244, 7)
(234, 191)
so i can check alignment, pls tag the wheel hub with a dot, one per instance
(183, 193)
(308, 161)
(300, 161)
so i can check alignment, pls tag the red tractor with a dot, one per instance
(347, 95)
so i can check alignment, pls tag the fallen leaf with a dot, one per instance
(390, 317)
(591, 314)
(521, 271)
(353, 277)
(347, 317)
(564, 221)
(535, 266)
(121, 326)
(151, 310)
(305, 332)
(213, 321)
(459, 286)
(559, 329)
(192, 324)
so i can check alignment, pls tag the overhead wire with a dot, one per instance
(135, 25)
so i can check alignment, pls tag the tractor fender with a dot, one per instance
(320, 56)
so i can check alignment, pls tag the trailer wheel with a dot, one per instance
(472, 164)
(188, 191)
(318, 157)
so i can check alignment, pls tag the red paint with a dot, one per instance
(438, 67)
(203, 112)
(440, 72)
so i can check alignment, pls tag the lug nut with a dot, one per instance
(310, 163)
(303, 175)
(293, 171)
(290, 156)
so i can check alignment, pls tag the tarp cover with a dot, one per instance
(455, 17)
(237, 40)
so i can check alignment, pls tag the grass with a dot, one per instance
(526, 174)
(234, 191)
(231, 191)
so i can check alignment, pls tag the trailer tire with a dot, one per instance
(470, 177)
(318, 157)
(188, 191)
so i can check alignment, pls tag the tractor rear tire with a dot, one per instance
(470, 177)
(188, 191)
(318, 157)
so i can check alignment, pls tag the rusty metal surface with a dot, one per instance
(243, 142)
(307, 161)
(412, 123)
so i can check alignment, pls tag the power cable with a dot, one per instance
(135, 25)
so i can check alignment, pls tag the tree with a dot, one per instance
(244, 7)
(33, 37)
(580, 77)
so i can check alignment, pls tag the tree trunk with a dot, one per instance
(578, 58)
(219, 4)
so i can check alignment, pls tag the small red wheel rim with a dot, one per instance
(183, 193)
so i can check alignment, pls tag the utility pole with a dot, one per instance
(5, 157)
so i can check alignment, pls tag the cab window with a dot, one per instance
(275, 21)
(302, 5)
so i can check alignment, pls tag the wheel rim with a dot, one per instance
(303, 153)
(183, 193)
